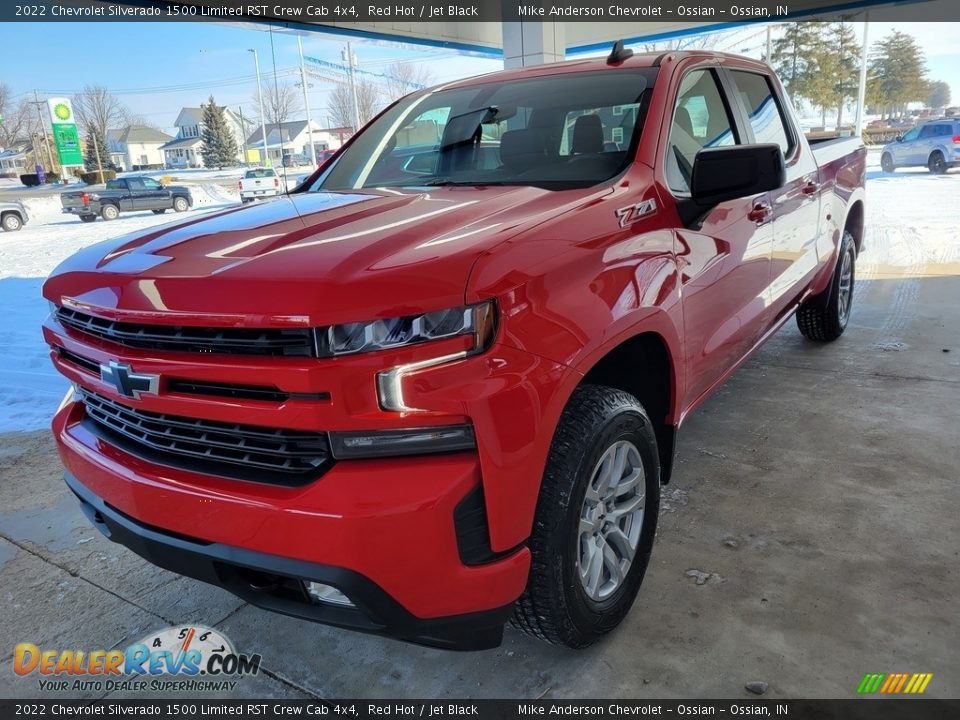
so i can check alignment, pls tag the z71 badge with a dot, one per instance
(632, 213)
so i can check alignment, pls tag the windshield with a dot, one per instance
(559, 131)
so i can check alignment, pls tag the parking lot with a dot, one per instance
(809, 534)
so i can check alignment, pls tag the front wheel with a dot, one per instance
(886, 163)
(824, 318)
(180, 204)
(595, 520)
(937, 164)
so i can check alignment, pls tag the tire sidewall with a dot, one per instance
(937, 168)
(886, 163)
(11, 223)
(846, 248)
(109, 214)
(180, 205)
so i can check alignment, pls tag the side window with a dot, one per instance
(912, 135)
(151, 184)
(135, 184)
(928, 131)
(944, 130)
(700, 120)
(766, 117)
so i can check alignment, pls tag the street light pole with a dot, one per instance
(353, 89)
(306, 104)
(862, 87)
(263, 120)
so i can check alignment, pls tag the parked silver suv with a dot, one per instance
(934, 144)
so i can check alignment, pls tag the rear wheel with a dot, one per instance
(159, 212)
(109, 212)
(88, 218)
(937, 164)
(180, 204)
(824, 318)
(886, 163)
(11, 222)
(595, 521)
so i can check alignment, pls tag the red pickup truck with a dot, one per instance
(431, 390)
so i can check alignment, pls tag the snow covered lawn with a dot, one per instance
(912, 218)
(29, 388)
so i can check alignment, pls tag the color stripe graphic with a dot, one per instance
(894, 683)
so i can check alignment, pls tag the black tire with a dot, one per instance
(824, 318)
(158, 212)
(11, 222)
(180, 204)
(555, 605)
(937, 164)
(88, 218)
(109, 212)
(246, 200)
(886, 163)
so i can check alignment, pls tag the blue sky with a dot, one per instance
(157, 68)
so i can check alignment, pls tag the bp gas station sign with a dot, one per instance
(65, 136)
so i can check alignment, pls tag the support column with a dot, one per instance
(532, 42)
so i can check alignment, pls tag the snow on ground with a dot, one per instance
(29, 389)
(902, 232)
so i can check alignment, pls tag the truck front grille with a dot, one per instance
(244, 452)
(291, 342)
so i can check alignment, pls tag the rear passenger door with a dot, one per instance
(724, 261)
(796, 205)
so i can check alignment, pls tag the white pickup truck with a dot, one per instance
(259, 183)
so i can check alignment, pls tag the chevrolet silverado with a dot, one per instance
(126, 194)
(426, 402)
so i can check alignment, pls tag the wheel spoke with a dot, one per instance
(592, 572)
(587, 526)
(612, 563)
(629, 482)
(617, 538)
(629, 506)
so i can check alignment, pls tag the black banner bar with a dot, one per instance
(307, 12)
(873, 709)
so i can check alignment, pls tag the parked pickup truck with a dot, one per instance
(126, 194)
(13, 216)
(258, 183)
(423, 405)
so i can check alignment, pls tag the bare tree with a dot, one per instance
(341, 101)
(280, 102)
(21, 122)
(404, 78)
(98, 110)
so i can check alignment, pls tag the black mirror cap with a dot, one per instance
(726, 173)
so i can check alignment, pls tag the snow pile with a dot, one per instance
(30, 389)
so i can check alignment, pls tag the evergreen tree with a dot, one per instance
(938, 94)
(218, 144)
(791, 59)
(896, 73)
(96, 154)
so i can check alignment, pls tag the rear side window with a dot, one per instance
(700, 120)
(116, 185)
(766, 118)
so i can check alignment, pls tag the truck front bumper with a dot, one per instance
(278, 583)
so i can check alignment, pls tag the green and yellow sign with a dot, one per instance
(65, 135)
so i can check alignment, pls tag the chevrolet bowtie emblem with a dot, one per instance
(127, 382)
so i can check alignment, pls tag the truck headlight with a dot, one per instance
(476, 320)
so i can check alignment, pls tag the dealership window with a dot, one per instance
(766, 117)
(701, 119)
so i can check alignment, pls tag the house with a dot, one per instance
(292, 138)
(142, 147)
(16, 160)
(116, 149)
(184, 150)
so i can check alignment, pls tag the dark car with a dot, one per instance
(126, 194)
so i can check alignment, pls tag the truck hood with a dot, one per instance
(309, 257)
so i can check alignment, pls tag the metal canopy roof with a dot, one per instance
(487, 37)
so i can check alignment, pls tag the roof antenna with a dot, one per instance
(619, 53)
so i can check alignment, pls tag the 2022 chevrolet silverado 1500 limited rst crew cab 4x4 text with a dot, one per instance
(424, 402)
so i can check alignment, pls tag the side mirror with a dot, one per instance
(727, 173)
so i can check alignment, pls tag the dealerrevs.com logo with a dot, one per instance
(190, 657)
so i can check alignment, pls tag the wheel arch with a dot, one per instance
(643, 366)
(854, 223)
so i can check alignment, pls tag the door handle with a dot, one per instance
(811, 188)
(760, 213)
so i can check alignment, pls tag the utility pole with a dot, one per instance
(769, 44)
(349, 59)
(243, 133)
(43, 128)
(862, 90)
(96, 151)
(263, 119)
(306, 104)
